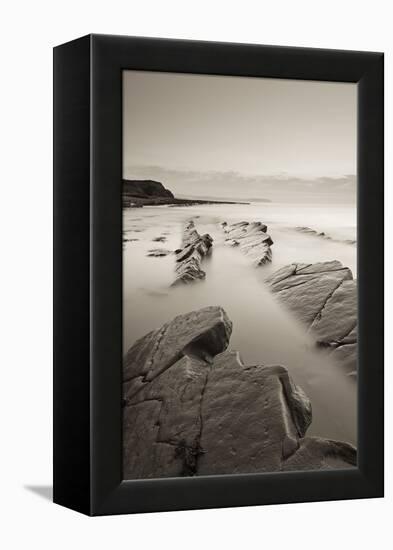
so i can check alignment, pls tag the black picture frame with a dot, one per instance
(88, 274)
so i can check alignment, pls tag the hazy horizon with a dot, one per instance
(236, 186)
(241, 138)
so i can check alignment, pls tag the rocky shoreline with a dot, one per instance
(191, 408)
(190, 405)
(323, 296)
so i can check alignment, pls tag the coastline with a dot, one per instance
(130, 201)
(139, 193)
(219, 278)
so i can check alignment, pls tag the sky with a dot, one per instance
(235, 136)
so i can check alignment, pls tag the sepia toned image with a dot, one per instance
(239, 275)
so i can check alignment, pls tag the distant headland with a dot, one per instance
(138, 193)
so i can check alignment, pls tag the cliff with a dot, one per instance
(137, 193)
(146, 189)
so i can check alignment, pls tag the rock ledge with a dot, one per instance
(195, 248)
(252, 240)
(191, 408)
(324, 297)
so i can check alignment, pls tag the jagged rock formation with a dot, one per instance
(192, 408)
(252, 240)
(195, 248)
(324, 297)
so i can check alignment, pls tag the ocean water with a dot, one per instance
(264, 332)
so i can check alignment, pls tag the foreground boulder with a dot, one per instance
(252, 240)
(324, 297)
(191, 408)
(200, 334)
(195, 248)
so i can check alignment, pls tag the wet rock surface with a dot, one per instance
(192, 408)
(195, 248)
(324, 297)
(203, 334)
(252, 240)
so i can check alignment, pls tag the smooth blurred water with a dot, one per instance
(263, 331)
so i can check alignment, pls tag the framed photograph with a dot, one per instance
(218, 275)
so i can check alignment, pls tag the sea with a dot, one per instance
(264, 332)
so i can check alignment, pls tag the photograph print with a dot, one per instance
(239, 275)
